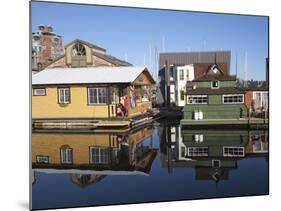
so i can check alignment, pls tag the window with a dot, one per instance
(182, 151)
(233, 151)
(78, 50)
(198, 138)
(171, 73)
(145, 93)
(39, 92)
(42, 159)
(197, 99)
(216, 163)
(66, 155)
(97, 95)
(78, 56)
(215, 84)
(64, 95)
(233, 99)
(187, 74)
(197, 151)
(99, 155)
(181, 74)
(41, 28)
(182, 95)
(36, 38)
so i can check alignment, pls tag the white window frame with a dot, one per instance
(181, 70)
(181, 95)
(66, 155)
(193, 96)
(98, 99)
(101, 159)
(36, 91)
(197, 154)
(232, 95)
(233, 148)
(213, 86)
(63, 95)
(214, 161)
(39, 157)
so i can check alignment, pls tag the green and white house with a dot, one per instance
(214, 99)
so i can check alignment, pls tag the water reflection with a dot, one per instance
(89, 157)
(212, 153)
(170, 162)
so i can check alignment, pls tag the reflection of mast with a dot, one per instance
(168, 136)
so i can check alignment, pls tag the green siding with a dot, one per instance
(207, 84)
(214, 99)
(217, 111)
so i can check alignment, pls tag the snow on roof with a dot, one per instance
(87, 75)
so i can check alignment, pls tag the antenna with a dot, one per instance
(236, 66)
(126, 57)
(246, 69)
(150, 56)
(215, 57)
(156, 61)
(144, 60)
(163, 44)
(204, 44)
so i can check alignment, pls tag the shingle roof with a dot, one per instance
(87, 75)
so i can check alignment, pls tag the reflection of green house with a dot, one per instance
(214, 96)
(210, 143)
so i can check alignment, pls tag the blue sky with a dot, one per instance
(135, 33)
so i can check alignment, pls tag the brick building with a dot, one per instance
(46, 46)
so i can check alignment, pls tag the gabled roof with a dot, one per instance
(86, 43)
(88, 75)
(214, 68)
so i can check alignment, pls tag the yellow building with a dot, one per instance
(106, 93)
(98, 153)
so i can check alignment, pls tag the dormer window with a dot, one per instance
(78, 50)
(215, 84)
(215, 70)
(79, 55)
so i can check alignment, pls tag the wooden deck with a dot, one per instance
(91, 124)
(243, 122)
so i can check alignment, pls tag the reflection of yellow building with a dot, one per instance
(93, 152)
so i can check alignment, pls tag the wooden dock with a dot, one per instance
(255, 123)
(91, 124)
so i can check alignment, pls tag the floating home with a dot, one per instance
(212, 153)
(177, 68)
(98, 155)
(215, 99)
(91, 96)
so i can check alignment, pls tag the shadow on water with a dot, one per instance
(156, 162)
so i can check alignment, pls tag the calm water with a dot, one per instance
(153, 163)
